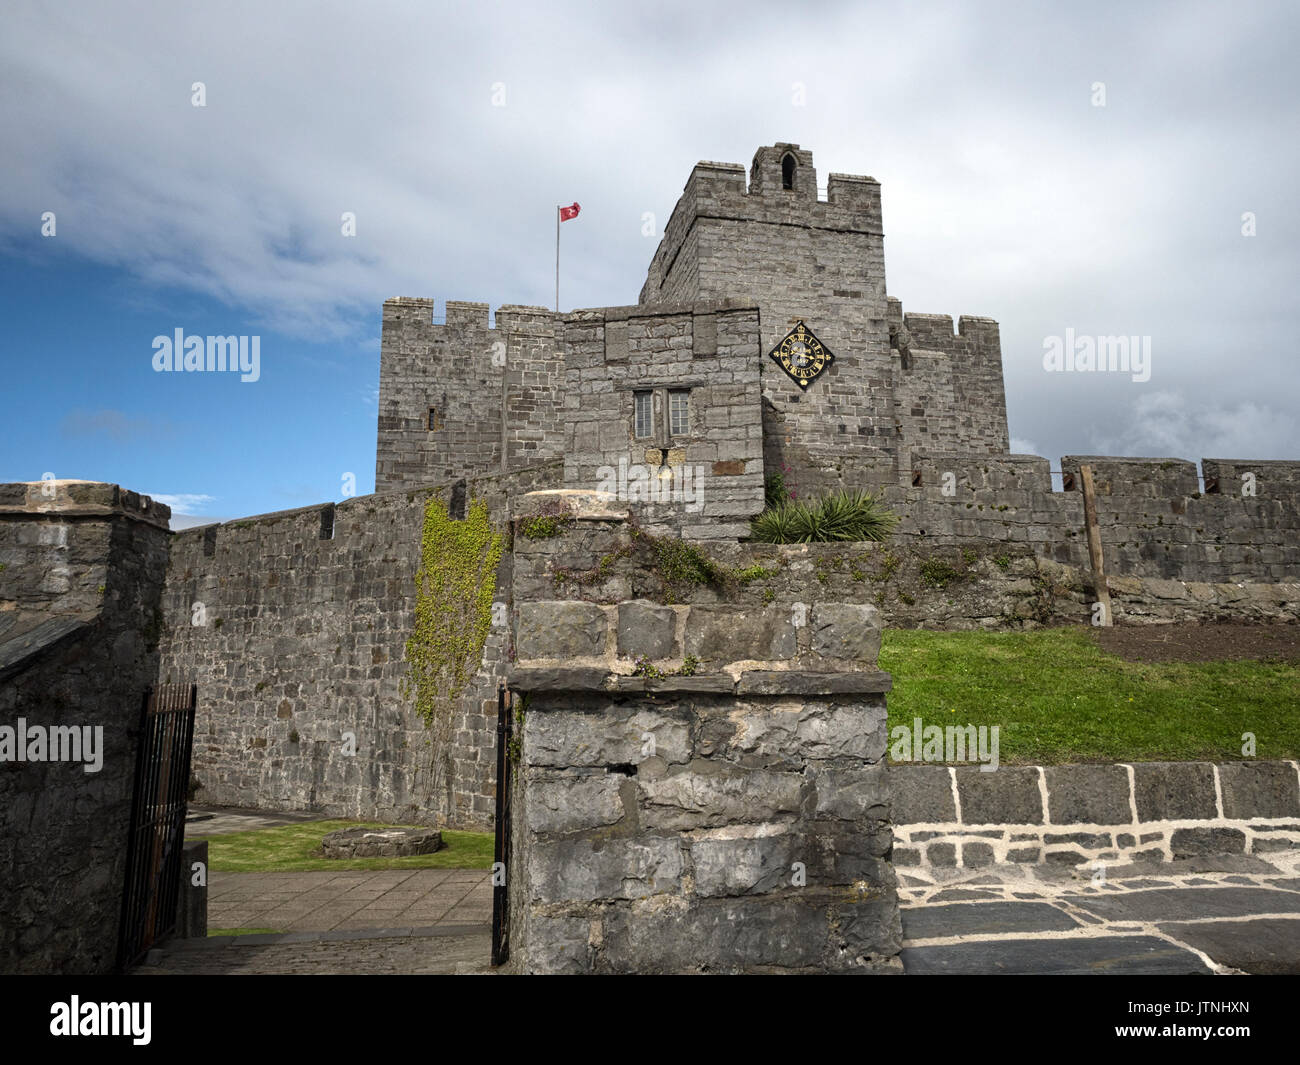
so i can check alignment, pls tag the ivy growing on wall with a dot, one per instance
(454, 590)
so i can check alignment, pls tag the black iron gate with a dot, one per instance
(162, 779)
(501, 854)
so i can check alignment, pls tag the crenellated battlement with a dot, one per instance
(782, 191)
(466, 395)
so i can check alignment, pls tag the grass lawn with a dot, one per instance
(1058, 697)
(288, 848)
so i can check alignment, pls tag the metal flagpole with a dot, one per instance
(557, 260)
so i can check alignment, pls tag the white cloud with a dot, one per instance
(1005, 193)
(1168, 424)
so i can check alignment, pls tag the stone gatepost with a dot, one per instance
(701, 784)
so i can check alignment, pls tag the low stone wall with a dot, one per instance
(295, 627)
(81, 574)
(726, 811)
(940, 586)
(1084, 814)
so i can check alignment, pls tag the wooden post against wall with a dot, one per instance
(1094, 542)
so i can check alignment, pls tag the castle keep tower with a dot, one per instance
(869, 393)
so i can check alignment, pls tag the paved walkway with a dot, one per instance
(1225, 915)
(349, 901)
(455, 949)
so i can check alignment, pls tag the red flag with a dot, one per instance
(569, 212)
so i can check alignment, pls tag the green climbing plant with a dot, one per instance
(454, 590)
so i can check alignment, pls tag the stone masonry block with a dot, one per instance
(807, 730)
(704, 797)
(582, 870)
(620, 736)
(853, 794)
(722, 634)
(922, 793)
(646, 629)
(1088, 794)
(561, 630)
(571, 805)
(1174, 791)
(743, 864)
(1259, 789)
(1196, 842)
(847, 633)
(1008, 796)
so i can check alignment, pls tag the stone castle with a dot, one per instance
(693, 377)
(763, 342)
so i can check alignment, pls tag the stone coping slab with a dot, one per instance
(750, 682)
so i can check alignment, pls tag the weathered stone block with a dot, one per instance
(558, 945)
(1031, 855)
(847, 634)
(571, 629)
(714, 935)
(853, 794)
(1088, 794)
(1259, 789)
(743, 864)
(723, 634)
(705, 796)
(798, 732)
(583, 870)
(618, 736)
(922, 794)
(943, 855)
(646, 630)
(1008, 796)
(1194, 842)
(1174, 791)
(572, 804)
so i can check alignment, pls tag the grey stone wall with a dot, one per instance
(1154, 521)
(81, 574)
(726, 811)
(303, 640)
(709, 350)
(822, 261)
(461, 399)
(1077, 815)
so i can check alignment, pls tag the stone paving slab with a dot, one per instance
(1266, 947)
(1189, 903)
(1229, 914)
(984, 918)
(1098, 955)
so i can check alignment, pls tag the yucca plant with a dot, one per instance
(775, 526)
(840, 516)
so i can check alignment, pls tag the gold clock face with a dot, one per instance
(802, 356)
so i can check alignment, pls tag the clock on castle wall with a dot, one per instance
(802, 356)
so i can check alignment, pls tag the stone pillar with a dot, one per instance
(82, 566)
(722, 808)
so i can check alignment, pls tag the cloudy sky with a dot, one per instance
(1085, 167)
